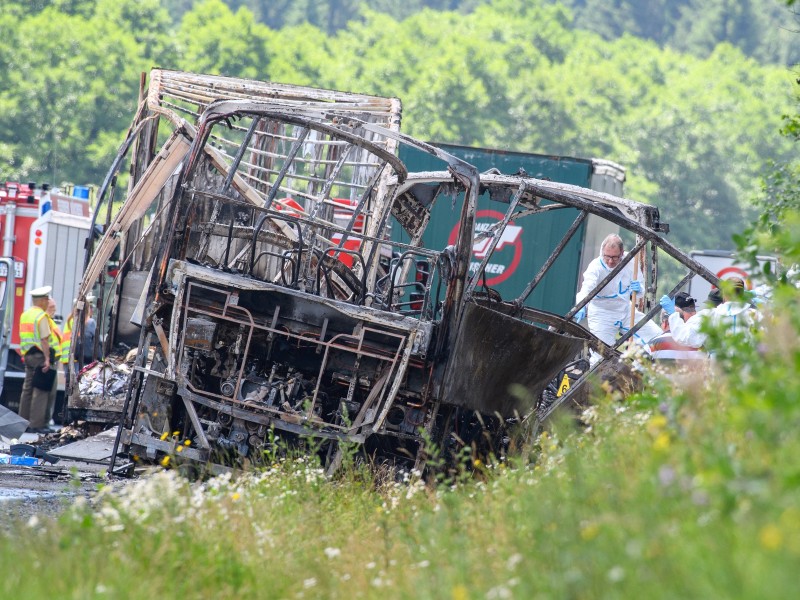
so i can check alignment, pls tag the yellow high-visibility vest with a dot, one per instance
(29, 329)
(55, 338)
(66, 340)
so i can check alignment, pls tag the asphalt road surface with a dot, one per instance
(45, 490)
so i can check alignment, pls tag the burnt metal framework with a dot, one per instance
(318, 339)
(526, 199)
(274, 301)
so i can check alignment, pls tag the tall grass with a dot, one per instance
(688, 490)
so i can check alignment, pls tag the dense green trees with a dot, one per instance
(762, 29)
(694, 133)
(211, 39)
(777, 230)
(68, 88)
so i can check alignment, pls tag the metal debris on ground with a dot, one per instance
(11, 424)
(104, 378)
(101, 388)
(92, 449)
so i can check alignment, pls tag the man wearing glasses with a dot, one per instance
(609, 312)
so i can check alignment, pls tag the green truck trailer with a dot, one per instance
(522, 250)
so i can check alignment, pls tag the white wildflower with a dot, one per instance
(499, 592)
(616, 574)
(513, 561)
(332, 552)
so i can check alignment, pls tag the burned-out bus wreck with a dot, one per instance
(267, 301)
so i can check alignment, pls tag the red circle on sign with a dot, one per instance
(735, 272)
(498, 216)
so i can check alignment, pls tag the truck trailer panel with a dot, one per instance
(524, 248)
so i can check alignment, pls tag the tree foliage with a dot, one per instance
(694, 133)
(777, 229)
(67, 92)
(211, 39)
(762, 29)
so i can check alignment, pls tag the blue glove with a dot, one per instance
(636, 286)
(668, 304)
(580, 315)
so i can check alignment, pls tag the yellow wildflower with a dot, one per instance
(656, 424)
(164, 436)
(460, 592)
(770, 537)
(590, 531)
(661, 442)
(165, 461)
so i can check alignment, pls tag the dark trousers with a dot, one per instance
(35, 405)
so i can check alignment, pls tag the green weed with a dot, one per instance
(689, 489)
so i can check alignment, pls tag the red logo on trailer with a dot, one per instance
(507, 254)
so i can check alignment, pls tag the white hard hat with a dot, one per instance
(42, 292)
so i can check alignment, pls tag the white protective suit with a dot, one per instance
(688, 332)
(736, 316)
(609, 312)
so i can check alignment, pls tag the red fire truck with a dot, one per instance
(44, 232)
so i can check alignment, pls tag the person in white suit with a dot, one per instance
(609, 312)
(735, 313)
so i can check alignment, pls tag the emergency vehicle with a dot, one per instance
(44, 233)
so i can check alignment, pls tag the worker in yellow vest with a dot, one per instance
(87, 336)
(34, 338)
(66, 342)
(66, 339)
(57, 344)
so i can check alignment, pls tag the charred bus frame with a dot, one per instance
(260, 316)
